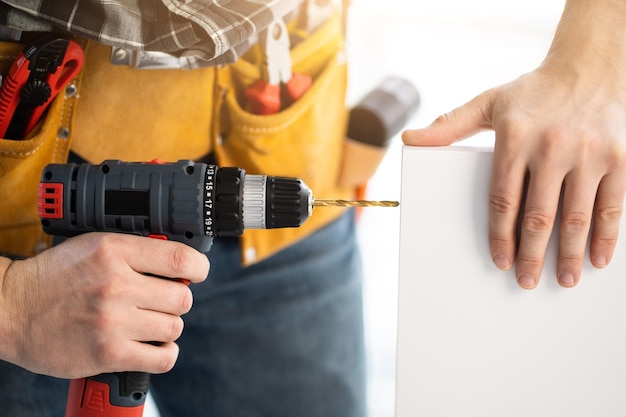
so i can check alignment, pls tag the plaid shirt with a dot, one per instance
(200, 32)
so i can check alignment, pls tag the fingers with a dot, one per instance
(505, 202)
(168, 259)
(536, 224)
(150, 306)
(586, 195)
(162, 295)
(142, 357)
(158, 359)
(577, 209)
(152, 326)
(607, 213)
(523, 201)
(456, 125)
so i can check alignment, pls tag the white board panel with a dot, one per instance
(471, 343)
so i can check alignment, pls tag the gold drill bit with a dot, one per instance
(354, 203)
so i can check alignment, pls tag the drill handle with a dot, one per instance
(119, 394)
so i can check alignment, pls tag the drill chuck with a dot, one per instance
(183, 201)
(274, 202)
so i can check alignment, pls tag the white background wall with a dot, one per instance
(451, 50)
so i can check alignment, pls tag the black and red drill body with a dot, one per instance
(185, 201)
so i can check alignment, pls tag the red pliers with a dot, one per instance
(279, 86)
(36, 76)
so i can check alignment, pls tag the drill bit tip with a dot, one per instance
(354, 203)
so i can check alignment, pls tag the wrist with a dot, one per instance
(8, 340)
(588, 43)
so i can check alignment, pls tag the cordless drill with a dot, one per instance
(184, 201)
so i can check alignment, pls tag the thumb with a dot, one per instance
(454, 126)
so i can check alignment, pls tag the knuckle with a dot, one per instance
(167, 361)
(593, 141)
(109, 354)
(536, 223)
(176, 328)
(530, 262)
(103, 249)
(604, 242)
(107, 291)
(569, 259)
(616, 156)
(186, 301)
(177, 260)
(502, 202)
(498, 239)
(556, 137)
(100, 262)
(515, 128)
(591, 145)
(574, 223)
(608, 214)
(446, 117)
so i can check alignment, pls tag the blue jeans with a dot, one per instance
(283, 337)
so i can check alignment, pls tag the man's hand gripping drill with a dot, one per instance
(186, 202)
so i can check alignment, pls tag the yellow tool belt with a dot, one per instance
(116, 112)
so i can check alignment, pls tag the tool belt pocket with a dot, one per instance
(21, 164)
(303, 140)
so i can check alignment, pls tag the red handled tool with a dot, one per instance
(37, 75)
(279, 86)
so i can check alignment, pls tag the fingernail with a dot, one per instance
(502, 262)
(526, 281)
(566, 279)
(599, 262)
